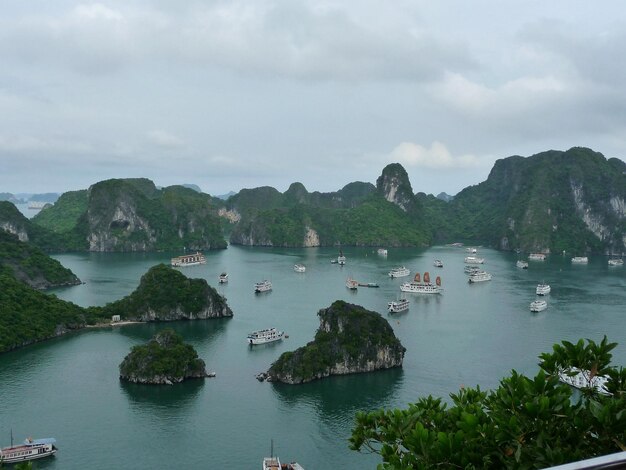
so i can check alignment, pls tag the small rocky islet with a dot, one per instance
(164, 360)
(349, 340)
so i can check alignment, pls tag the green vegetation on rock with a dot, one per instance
(524, 423)
(165, 294)
(31, 265)
(350, 339)
(133, 215)
(165, 359)
(28, 316)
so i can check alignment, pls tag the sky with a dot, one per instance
(241, 94)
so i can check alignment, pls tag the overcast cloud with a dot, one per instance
(234, 94)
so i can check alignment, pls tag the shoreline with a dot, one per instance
(118, 323)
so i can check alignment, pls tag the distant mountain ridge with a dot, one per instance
(554, 201)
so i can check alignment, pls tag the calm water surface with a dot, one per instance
(69, 388)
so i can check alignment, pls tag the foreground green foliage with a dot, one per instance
(164, 357)
(524, 423)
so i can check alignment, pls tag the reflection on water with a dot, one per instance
(195, 331)
(340, 397)
(165, 397)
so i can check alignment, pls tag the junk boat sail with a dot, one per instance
(268, 335)
(31, 449)
(188, 260)
(425, 287)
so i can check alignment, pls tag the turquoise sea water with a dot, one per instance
(68, 388)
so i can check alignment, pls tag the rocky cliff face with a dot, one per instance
(554, 201)
(395, 186)
(133, 215)
(350, 340)
(12, 221)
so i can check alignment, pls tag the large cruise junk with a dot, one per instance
(268, 335)
(188, 260)
(537, 257)
(580, 260)
(417, 287)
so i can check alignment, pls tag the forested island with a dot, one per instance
(164, 360)
(164, 294)
(350, 339)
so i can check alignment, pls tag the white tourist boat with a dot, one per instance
(582, 379)
(470, 249)
(538, 305)
(382, 251)
(425, 287)
(188, 260)
(522, 264)
(474, 260)
(341, 259)
(543, 289)
(479, 276)
(352, 284)
(31, 449)
(268, 335)
(400, 271)
(580, 260)
(263, 286)
(396, 306)
(616, 262)
(468, 269)
(438, 263)
(537, 257)
(223, 279)
(299, 268)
